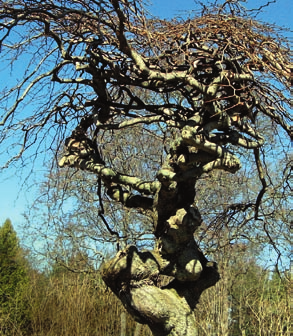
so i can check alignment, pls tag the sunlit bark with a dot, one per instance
(109, 67)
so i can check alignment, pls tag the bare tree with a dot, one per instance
(92, 70)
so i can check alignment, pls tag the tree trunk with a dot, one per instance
(123, 324)
(138, 329)
(136, 278)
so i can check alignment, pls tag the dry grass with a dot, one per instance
(77, 305)
(80, 305)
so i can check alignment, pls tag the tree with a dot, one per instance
(14, 309)
(112, 81)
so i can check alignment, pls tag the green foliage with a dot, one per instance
(277, 285)
(247, 301)
(258, 300)
(14, 309)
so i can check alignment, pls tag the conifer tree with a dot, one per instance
(151, 108)
(13, 280)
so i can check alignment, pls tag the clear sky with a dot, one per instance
(279, 12)
(14, 200)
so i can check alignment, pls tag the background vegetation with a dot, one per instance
(177, 100)
(67, 301)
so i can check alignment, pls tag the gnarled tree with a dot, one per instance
(201, 86)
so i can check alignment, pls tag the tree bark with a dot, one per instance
(135, 277)
(123, 324)
(138, 329)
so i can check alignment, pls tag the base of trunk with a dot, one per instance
(167, 309)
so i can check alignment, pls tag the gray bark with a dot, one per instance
(208, 63)
(134, 277)
(138, 329)
(123, 324)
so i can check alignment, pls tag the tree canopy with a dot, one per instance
(152, 108)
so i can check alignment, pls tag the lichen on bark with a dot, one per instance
(135, 277)
(201, 87)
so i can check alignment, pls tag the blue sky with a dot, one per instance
(14, 199)
(279, 12)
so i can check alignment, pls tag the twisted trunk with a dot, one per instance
(139, 278)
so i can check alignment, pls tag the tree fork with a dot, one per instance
(136, 278)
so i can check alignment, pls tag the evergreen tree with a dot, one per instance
(151, 108)
(13, 281)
